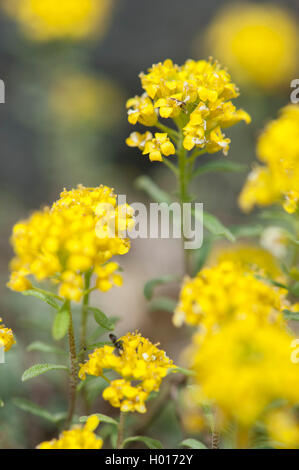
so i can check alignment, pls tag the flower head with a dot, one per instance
(283, 428)
(141, 365)
(196, 95)
(277, 180)
(6, 337)
(44, 20)
(71, 238)
(225, 292)
(243, 368)
(258, 42)
(77, 438)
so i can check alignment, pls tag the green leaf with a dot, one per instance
(146, 184)
(247, 230)
(213, 225)
(99, 344)
(45, 297)
(202, 253)
(183, 371)
(149, 287)
(291, 315)
(61, 322)
(193, 444)
(44, 347)
(1, 403)
(102, 418)
(102, 319)
(99, 331)
(220, 165)
(162, 303)
(148, 441)
(39, 369)
(37, 410)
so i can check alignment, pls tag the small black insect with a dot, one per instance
(118, 343)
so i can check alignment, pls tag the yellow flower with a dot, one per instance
(78, 98)
(249, 258)
(258, 42)
(277, 180)
(196, 96)
(141, 109)
(159, 146)
(44, 20)
(106, 276)
(6, 337)
(224, 292)
(139, 140)
(77, 438)
(141, 365)
(244, 367)
(73, 237)
(283, 428)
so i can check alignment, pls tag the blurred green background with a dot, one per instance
(64, 122)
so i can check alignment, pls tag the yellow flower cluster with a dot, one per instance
(6, 337)
(44, 20)
(249, 258)
(258, 42)
(78, 234)
(277, 180)
(77, 438)
(141, 365)
(244, 367)
(283, 428)
(226, 292)
(155, 147)
(79, 98)
(196, 95)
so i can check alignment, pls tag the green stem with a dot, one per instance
(73, 372)
(121, 428)
(184, 179)
(174, 134)
(84, 312)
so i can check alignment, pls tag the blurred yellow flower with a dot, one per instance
(6, 337)
(225, 292)
(78, 98)
(249, 258)
(141, 365)
(277, 180)
(283, 428)
(258, 42)
(71, 238)
(77, 438)
(196, 96)
(244, 367)
(44, 20)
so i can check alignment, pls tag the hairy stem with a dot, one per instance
(73, 372)
(183, 180)
(121, 428)
(84, 313)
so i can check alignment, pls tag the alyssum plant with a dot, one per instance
(241, 386)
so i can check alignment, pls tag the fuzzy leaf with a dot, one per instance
(37, 410)
(166, 304)
(39, 369)
(45, 297)
(146, 184)
(148, 441)
(61, 322)
(219, 166)
(44, 347)
(149, 287)
(193, 444)
(102, 418)
(102, 319)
